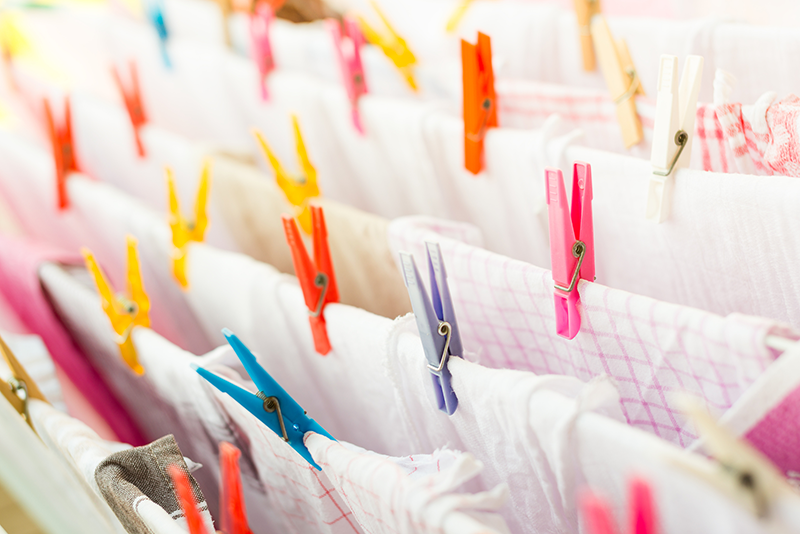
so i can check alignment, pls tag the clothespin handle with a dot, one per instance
(63, 149)
(480, 100)
(392, 45)
(260, 21)
(133, 104)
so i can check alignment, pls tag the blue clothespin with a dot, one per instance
(155, 12)
(271, 405)
(436, 322)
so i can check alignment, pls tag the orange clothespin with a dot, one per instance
(63, 149)
(233, 515)
(584, 11)
(20, 387)
(133, 103)
(124, 311)
(480, 101)
(184, 230)
(392, 45)
(298, 190)
(185, 496)
(317, 280)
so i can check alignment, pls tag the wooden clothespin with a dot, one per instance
(571, 243)
(673, 130)
(21, 387)
(348, 44)
(226, 8)
(317, 279)
(184, 230)
(298, 190)
(642, 519)
(232, 510)
(392, 44)
(260, 21)
(584, 11)
(124, 311)
(480, 101)
(133, 103)
(458, 15)
(63, 149)
(621, 78)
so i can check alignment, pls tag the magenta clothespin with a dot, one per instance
(260, 20)
(348, 50)
(571, 242)
(642, 518)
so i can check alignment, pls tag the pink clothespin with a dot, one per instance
(260, 20)
(641, 511)
(348, 50)
(571, 243)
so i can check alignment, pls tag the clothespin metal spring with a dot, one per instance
(272, 405)
(445, 330)
(578, 251)
(681, 138)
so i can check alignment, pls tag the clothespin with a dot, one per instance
(642, 518)
(184, 230)
(133, 103)
(233, 516)
(21, 387)
(392, 45)
(571, 242)
(621, 78)
(155, 12)
(317, 280)
(348, 50)
(298, 190)
(673, 130)
(436, 322)
(185, 495)
(271, 405)
(584, 11)
(458, 15)
(260, 21)
(63, 149)
(124, 311)
(480, 101)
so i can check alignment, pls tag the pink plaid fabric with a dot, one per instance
(651, 349)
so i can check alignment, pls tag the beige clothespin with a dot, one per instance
(673, 130)
(584, 11)
(21, 387)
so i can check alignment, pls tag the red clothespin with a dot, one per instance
(480, 101)
(185, 495)
(133, 103)
(260, 20)
(348, 50)
(233, 515)
(641, 511)
(317, 280)
(571, 242)
(63, 149)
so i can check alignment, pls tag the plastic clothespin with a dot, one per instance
(155, 12)
(133, 103)
(317, 280)
(63, 149)
(621, 78)
(184, 230)
(458, 15)
(436, 322)
(348, 50)
(260, 21)
(124, 311)
(392, 45)
(642, 517)
(298, 190)
(232, 511)
(480, 101)
(571, 242)
(271, 405)
(21, 387)
(584, 11)
(185, 496)
(673, 130)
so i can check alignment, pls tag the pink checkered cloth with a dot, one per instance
(650, 348)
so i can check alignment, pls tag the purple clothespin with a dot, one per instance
(260, 20)
(436, 322)
(348, 50)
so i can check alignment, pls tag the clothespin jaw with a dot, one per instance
(183, 230)
(584, 11)
(480, 101)
(348, 52)
(392, 45)
(21, 387)
(271, 405)
(233, 516)
(436, 321)
(155, 12)
(133, 103)
(621, 78)
(599, 519)
(260, 21)
(571, 243)
(63, 149)
(317, 280)
(185, 496)
(673, 130)
(123, 311)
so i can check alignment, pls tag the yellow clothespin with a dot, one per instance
(183, 230)
(392, 45)
(21, 387)
(621, 78)
(298, 190)
(124, 311)
(584, 11)
(458, 15)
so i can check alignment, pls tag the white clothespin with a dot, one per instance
(673, 130)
